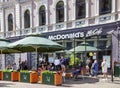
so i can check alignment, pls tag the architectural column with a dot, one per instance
(96, 7)
(73, 12)
(113, 2)
(2, 20)
(54, 12)
(113, 6)
(65, 10)
(87, 8)
(37, 13)
(118, 9)
(31, 16)
(74, 9)
(46, 6)
(17, 20)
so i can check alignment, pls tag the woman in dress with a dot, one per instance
(104, 68)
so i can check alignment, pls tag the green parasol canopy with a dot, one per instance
(83, 47)
(3, 47)
(33, 43)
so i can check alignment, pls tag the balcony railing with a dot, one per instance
(10, 34)
(2, 34)
(105, 18)
(80, 22)
(41, 29)
(61, 26)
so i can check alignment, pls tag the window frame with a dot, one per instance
(83, 5)
(60, 10)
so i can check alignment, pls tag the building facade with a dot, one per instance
(68, 22)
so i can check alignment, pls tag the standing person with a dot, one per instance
(95, 68)
(20, 66)
(90, 67)
(104, 68)
(87, 66)
(14, 66)
(63, 63)
(57, 64)
(25, 65)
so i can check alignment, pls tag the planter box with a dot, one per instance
(7, 76)
(58, 79)
(1, 75)
(33, 77)
(51, 78)
(29, 77)
(14, 76)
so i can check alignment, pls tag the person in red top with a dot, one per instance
(40, 69)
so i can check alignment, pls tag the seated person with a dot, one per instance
(9, 67)
(77, 71)
(52, 67)
(40, 69)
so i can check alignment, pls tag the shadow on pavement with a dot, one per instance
(69, 82)
(116, 81)
(5, 84)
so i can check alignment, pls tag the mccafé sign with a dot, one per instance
(76, 34)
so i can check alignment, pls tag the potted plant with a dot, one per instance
(14, 75)
(28, 76)
(7, 75)
(51, 78)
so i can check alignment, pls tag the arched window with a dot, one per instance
(60, 12)
(105, 6)
(42, 16)
(80, 9)
(10, 22)
(27, 19)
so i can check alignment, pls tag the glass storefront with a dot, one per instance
(98, 46)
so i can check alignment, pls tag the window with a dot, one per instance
(60, 12)
(10, 22)
(80, 9)
(42, 16)
(102, 44)
(27, 19)
(68, 45)
(105, 6)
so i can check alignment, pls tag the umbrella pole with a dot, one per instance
(37, 57)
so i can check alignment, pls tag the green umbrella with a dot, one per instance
(3, 47)
(83, 47)
(36, 44)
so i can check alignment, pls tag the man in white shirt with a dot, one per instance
(57, 64)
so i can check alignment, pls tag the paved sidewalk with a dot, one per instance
(88, 82)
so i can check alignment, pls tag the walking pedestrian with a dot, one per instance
(95, 68)
(104, 68)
